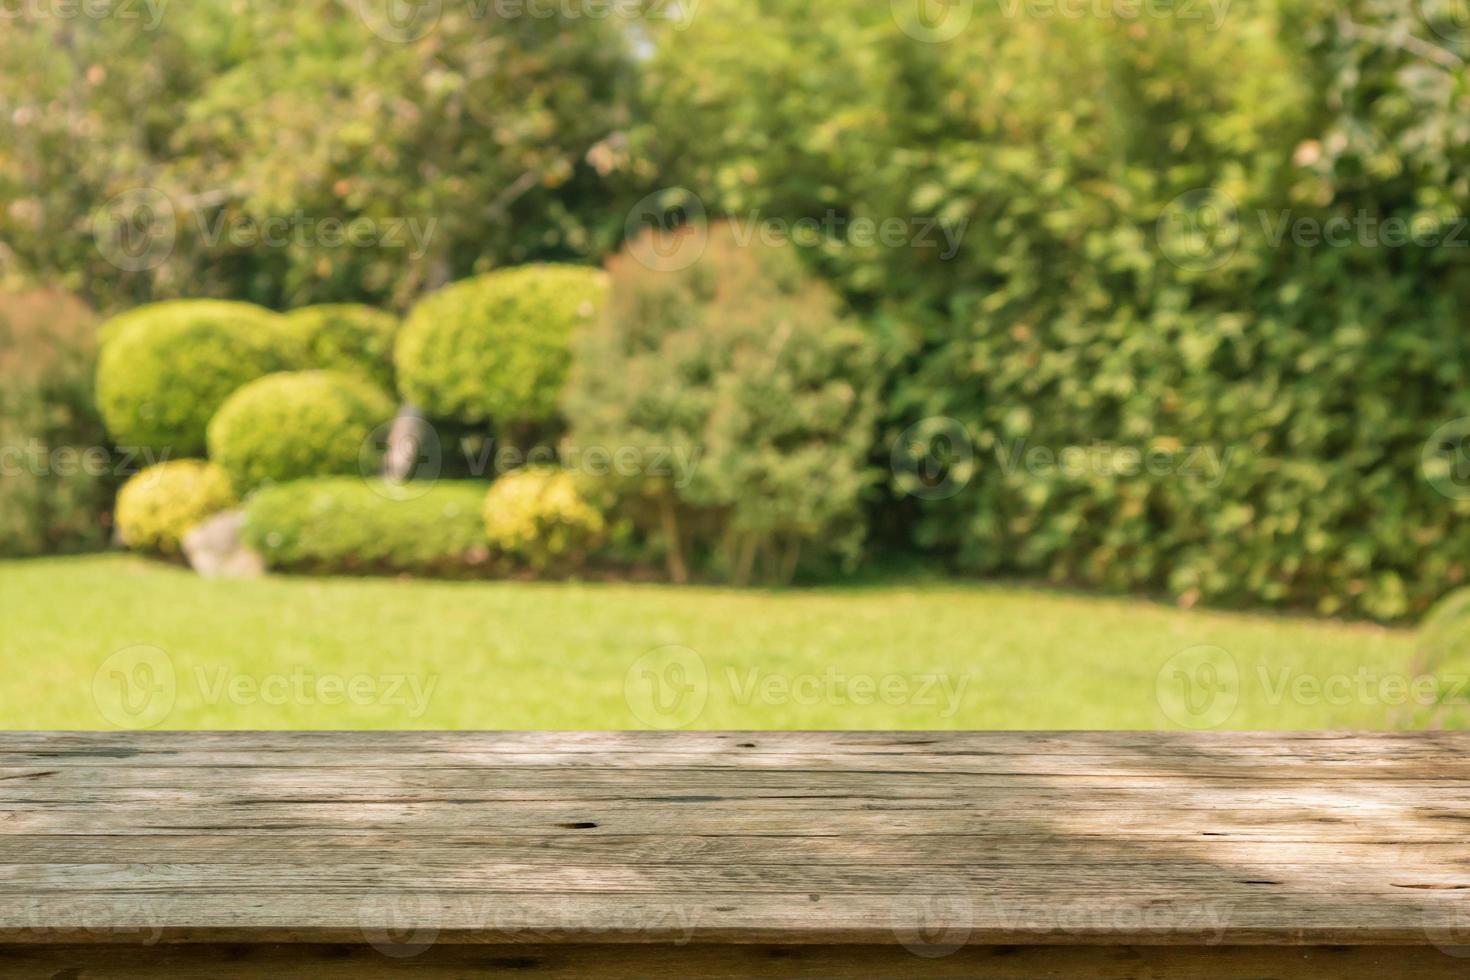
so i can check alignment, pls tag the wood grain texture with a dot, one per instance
(902, 845)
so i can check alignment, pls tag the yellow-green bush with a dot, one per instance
(298, 424)
(348, 337)
(496, 347)
(537, 517)
(158, 506)
(166, 369)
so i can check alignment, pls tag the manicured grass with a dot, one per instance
(412, 654)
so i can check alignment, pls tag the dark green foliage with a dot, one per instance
(56, 476)
(309, 152)
(1131, 277)
(497, 347)
(298, 424)
(746, 397)
(166, 369)
(347, 337)
(359, 527)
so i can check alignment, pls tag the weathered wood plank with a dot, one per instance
(732, 962)
(1128, 840)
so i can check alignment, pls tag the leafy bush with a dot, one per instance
(1124, 277)
(497, 347)
(538, 517)
(250, 116)
(55, 491)
(347, 337)
(747, 396)
(166, 369)
(158, 506)
(298, 424)
(356, 526)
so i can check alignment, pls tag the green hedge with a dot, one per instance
(496, 347)
(359, 527)
(158, 506)
(347, 337)
(1114, 287)
(57, 477)
(166, 369)
(298, 424)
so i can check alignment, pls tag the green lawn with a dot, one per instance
(109, 641)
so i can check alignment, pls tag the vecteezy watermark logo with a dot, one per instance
(75, 917)
(398, 924)
(1447, 923)
(136, 687)
(670, 687)
(667, 230)
(1199, 230)
(400, 21)
(1211, 12)
(841, 688)
(933, 919)
(932, 21)
(139, 687)
(402, 459)
(137, 229)
(1449, 19)
(667, 687)
(36, 458)
(1445, 461)
(1199, 687)
(933, 459)
(150, 12)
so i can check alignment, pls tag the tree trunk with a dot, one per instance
(674, 544)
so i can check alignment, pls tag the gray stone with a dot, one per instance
(216, 548)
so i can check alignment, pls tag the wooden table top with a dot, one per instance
(919, 839)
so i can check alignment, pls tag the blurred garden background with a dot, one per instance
(735, 364)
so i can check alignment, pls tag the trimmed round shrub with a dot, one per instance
(359, 527)
(497, 347)
(347, 337)
(538, 517)
(158, 506)
(166, 369)
(56, 481)
(181, 308)
(298, 424)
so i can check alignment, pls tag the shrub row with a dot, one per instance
(355, 526)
